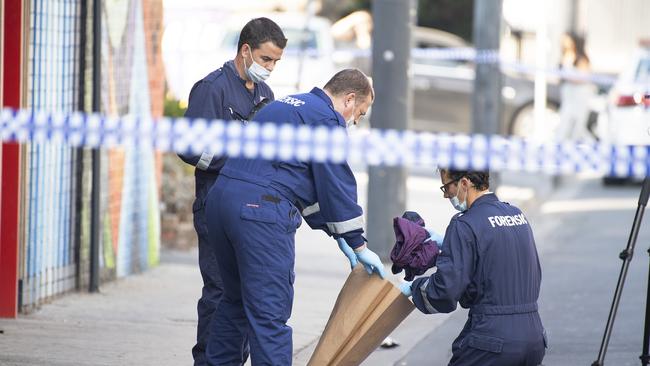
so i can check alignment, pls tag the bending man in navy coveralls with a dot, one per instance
(253, 212)
(230, 93)
(488, 264)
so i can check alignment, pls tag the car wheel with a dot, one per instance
(522, 123)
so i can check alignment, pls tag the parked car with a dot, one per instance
(307, 58)
(626, 119)
(192, 49)
(190, 52)
(443, 90)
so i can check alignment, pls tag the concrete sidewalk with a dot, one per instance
(150, 319)
(143, 319)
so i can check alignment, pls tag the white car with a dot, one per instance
(192, 49)
(626, 119)
(307, 60)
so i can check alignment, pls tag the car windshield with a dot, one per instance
(294, 35)
(643, 71)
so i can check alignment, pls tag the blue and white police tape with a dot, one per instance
(448, 53)
(320, 144)
(429, 57)
(457, 54)
(493, 56)
(559, 74)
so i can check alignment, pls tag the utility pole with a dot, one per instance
(486, 106)
(541, 43)
(574, 6)
(391, 53)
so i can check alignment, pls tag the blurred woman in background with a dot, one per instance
(575, 90)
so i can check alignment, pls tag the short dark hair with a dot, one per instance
(261, 30)
(480, 179)
(350, 81)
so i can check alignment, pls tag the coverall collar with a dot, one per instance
(229, 66)
(322, 95)
(485, 198)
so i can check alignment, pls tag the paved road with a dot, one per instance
(579, 232)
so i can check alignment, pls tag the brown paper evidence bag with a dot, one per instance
(366, 311)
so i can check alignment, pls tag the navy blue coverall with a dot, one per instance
(488, 264)
(222, 94)
(253, 212)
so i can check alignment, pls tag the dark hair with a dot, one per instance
(350, 81)
(579, 42)
(261, 30)
(480, 180)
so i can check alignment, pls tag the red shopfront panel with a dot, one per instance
(10, 165)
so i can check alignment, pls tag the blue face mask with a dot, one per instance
(460, 206)
(256, 72)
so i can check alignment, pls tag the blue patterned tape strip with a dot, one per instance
(286, 142)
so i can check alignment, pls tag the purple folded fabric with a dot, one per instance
(411, 253)
(414, 216)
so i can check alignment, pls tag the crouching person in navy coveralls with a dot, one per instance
(488, 264)
(253, 211)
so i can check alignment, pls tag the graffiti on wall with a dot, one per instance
(56, 179)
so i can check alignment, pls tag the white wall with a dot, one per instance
(613, 28)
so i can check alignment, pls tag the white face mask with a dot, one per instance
(460, 206)
(256, 72)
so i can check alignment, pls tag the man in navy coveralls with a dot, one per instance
(229, 93)
(254, 209)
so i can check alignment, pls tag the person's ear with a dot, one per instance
(349, 98)
(465, 182)
(246, 50)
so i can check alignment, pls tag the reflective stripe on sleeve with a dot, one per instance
(311, 210)
(204, 162)
(423, 292)
(345, 226)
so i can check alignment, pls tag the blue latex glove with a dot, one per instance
(405, 287)
(371, 262)
(435, 236)
(348, 251)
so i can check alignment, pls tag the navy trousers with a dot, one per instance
(252, 230)
(212, 283)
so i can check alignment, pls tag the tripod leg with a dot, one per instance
(645, 358)
(626, 256)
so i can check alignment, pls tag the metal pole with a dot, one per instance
(540, 74)
(81, 106)
(486, 106)
(391, 52)
(309, 13)
(83, 39)
(574, 6)
(96, 156)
